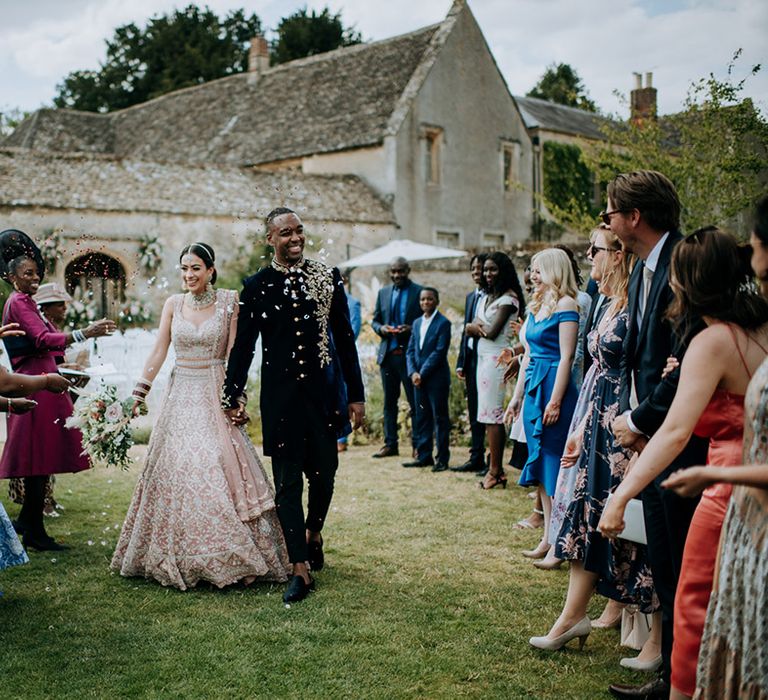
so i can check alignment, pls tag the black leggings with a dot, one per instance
(31, 515)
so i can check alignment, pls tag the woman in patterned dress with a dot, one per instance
(202, 508)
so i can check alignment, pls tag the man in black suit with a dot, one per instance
(466, 367)
(427, 360)
(397, 307)
(644, 212)
(311, 385)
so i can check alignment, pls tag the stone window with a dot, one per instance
(448, 239)
(510, 165)
(433, 145)
(493, 240)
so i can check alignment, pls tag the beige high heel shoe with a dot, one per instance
(581, 630)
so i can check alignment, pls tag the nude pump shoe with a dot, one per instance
(581, 630)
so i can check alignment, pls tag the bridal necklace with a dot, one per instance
(200, 301)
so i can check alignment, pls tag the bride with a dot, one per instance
(202, 508)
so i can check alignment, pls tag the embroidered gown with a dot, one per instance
(202, 508)
(623, 571)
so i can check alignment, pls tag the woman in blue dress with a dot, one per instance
(545, 377)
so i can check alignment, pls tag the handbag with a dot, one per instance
(634, 522)
(635, 628)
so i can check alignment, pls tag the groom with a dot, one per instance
(311, 386)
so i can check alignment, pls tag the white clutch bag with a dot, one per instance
(634, 522)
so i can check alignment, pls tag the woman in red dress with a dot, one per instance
(38, 443)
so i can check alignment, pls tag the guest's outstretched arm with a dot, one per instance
(692, 481)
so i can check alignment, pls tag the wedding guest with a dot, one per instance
(397, 307)
(11, 551)
(733, 658)
(644, 212)
(202, 509)
(619, 571)
(502, 303)
(356, 321)
(545, 377)
(26, 454)
(709, 280)
(427, 358)
(466, 370)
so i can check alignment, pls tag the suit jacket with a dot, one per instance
(467, 354)
(382, 316)
(309, 355)
(646, 348)
(431, 360)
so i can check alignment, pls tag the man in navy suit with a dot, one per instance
(466, 367)
(397, 307)
(427, 360)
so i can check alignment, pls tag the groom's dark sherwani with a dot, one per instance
(309, 374)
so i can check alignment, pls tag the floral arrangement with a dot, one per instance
(135, 312)
(50, 249)
(150, 254)
(82, 310)
(104, 421)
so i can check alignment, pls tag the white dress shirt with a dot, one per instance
(425, 321)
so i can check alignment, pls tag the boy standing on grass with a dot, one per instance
(427, 361)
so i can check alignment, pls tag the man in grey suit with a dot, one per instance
(397, 307)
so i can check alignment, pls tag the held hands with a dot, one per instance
(356, 414)
(689, 482)
(551, 413)
(623, 433)
(612, 521)
(474, 330)
(238, 416)
(10, 329)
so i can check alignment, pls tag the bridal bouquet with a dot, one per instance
(104, 421)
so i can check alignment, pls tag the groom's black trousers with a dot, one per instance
(313, 454)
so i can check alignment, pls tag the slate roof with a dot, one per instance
(329, 102)
(74, 181)
(549, 116)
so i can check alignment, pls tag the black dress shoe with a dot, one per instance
(42, 543)
(386, 451)
(419, 463)
(298, 590)
(468, 467)
(657, 689)
(315, 555)
(440, 467)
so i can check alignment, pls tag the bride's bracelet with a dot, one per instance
(141, 389)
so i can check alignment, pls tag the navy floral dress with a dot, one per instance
(622, 567)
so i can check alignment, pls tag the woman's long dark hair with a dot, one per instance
(205, 253)
(711, 276)
(507, 279)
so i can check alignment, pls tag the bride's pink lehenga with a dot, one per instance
(202, 509)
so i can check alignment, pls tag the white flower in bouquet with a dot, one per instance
(114, 412)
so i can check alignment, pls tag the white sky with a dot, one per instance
(604, 40)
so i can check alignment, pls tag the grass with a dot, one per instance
(424, 595)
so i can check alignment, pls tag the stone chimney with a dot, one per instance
(642, 100)
(258, 58)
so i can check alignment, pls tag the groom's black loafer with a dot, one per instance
(315, 555)
(298, 590)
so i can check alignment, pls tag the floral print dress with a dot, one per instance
(622, 567)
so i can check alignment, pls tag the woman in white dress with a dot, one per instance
(503, 302)
(202, 509)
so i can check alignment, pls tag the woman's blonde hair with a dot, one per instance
(557, 278)
(616, 280)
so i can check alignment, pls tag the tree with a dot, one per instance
(185, 48)
(305, 34)
(561, 84)
(715, 151)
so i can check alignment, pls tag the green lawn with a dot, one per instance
(424, 595)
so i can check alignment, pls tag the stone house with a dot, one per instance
(367, 143)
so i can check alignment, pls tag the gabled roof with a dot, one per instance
(549, 116)
(343, 99)
(101, 183)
